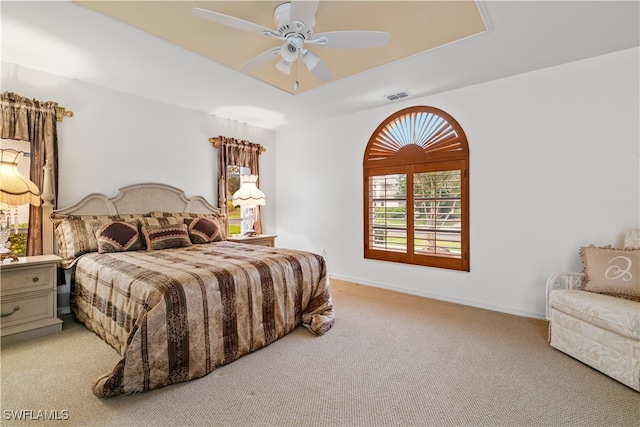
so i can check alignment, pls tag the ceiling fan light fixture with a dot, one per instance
(284, 66)
(289, 51)
(309, 60)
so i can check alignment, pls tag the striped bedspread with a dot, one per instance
(177, 314)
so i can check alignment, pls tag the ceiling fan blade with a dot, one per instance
(351, 39)
(320, 70)
(230, 21)
(260, 60)
(304, 11)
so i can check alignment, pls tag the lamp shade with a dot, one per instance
(284, 66)
(310, 60)
(15, 189)
(249, 194)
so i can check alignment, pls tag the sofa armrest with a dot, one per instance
(567, 280)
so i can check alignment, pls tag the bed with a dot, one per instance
(153, 276)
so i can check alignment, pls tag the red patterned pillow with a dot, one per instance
(203, 230)
(166, 236)
(118, 236)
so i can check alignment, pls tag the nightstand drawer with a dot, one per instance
(25, 308)
(27, 279)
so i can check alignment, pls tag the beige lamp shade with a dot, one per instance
(15, 189)
(249, 195)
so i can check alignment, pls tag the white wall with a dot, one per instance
(117, 139)
(557, 150)
(554, 164)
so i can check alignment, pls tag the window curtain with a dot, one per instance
(34, 121)
(233, 152)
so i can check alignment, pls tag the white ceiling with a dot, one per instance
(71, 40)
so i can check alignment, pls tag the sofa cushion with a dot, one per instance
(618, 315)
(611, 271)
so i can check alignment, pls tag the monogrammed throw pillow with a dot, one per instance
(611, 271)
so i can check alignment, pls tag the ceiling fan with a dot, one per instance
(294, 22)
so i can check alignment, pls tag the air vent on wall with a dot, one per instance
(399, 95)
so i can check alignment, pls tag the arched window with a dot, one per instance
(416, 190)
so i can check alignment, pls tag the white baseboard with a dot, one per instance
(461, 301)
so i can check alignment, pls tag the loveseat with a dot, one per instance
(594, 315)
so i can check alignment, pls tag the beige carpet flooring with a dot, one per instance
(390, 360)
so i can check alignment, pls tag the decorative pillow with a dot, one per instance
(74, 238)
(157, 222)
(611, 271)
(118, 236)
(218, 219)
(160, 214)
(121, 217)
(203, 230)
(632, 238)
(76, 234)
(166, 236)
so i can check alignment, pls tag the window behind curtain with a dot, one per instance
(236, 213)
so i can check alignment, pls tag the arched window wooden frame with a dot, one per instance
(416, 190)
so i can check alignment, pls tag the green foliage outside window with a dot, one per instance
(234, 213)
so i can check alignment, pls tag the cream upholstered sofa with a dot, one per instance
(594, 316)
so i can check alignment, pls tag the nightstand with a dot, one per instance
(260, 239)
(28, 296)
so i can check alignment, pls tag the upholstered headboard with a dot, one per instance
(136, 199)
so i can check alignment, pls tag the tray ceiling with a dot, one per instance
(415, 27)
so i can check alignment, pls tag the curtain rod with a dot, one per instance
(61, 112)
(216, 143)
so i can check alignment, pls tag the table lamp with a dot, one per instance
(15, 190)
(249, 196)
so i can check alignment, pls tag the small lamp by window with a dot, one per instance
(249, 196)
(15, 190)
